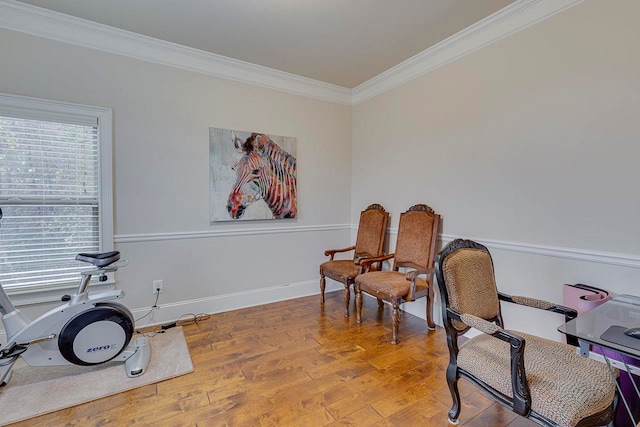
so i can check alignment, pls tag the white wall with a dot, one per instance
(529, 145)
(161, 121)
(532, 141)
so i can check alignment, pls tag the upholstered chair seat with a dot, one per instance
(340, 270)
(389, 284)
(565, 387)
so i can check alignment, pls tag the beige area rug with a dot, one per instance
(34, 391)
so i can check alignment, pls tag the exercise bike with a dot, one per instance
(85, 330)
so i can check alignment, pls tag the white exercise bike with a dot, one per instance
(85, 330)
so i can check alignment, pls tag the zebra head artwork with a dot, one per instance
(264, 172)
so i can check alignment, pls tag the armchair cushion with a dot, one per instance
(565, 387)
(340, 270)
(389, 284)
(480, 324)
(533, 302)
(471, 266)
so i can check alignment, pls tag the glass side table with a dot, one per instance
(602, 329)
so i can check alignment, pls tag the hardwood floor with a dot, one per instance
(297, 363)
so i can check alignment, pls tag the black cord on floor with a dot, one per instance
(190, 320)
(193, 318)
(185, 319)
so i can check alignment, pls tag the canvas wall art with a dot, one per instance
(252, 176)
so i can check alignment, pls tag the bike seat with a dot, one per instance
(100, 260)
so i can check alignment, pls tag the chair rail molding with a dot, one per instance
(41, 22)
(611, 258)
(254, 231)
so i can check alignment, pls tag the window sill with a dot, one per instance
(44, 296)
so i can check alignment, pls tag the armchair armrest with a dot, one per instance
(415, 273)
(480, 324)
(331, 252)
(569, 313)
(519, 384)
(365, 262)
(412, 275)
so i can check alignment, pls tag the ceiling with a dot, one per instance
(341, 42)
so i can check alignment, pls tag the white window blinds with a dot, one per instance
(49, 195)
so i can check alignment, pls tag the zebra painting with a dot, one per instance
(264, 172)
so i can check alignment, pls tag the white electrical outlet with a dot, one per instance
(158, 286)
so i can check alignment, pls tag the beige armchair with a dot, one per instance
(543, 380)
(369, 243)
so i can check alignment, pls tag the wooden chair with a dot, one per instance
(543, 380)
(415, 249)
(369, 243)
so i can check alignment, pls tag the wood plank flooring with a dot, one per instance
(298, 363)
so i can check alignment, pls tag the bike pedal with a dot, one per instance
(12, 350)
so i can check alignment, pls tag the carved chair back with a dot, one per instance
(417, 235)
(371, 231)
(468, 283)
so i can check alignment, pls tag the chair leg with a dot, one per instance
(347, 298)
(452, 382)
(430, 324)
(322, 286)
(380, 303)
(358, 294)
(616, 401)
(396, 322)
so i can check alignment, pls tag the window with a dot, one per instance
(55, 191)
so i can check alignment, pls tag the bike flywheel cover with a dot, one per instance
(96, 335)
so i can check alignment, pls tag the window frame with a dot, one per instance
(42, 109)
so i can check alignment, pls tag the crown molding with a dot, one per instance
(41, 22)
(68, 29)
(516, 17)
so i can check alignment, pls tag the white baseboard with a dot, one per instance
(220, 303)
(228, 302)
